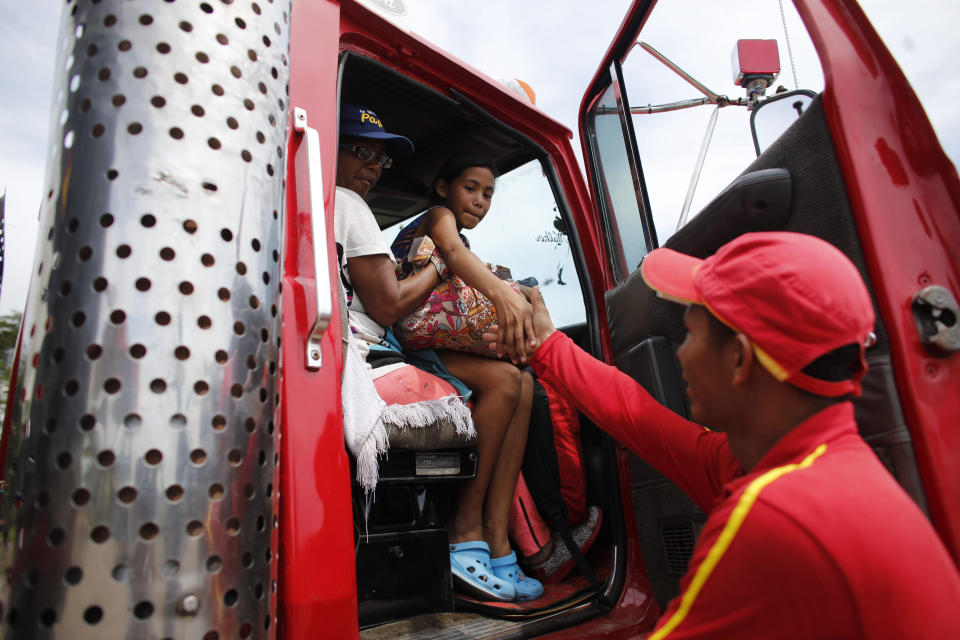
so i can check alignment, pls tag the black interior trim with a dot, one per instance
(755, 201)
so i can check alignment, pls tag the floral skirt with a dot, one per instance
(454, 315)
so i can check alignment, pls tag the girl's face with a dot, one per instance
(468, 196)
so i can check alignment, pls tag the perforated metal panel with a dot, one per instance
(140, 492)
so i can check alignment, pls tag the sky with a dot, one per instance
(554, 46)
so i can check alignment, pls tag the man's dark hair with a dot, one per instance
(837, 365)
(840, 364)
(719, 332)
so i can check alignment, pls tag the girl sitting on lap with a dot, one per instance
(469, 299)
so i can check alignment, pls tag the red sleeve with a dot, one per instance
(695, 459)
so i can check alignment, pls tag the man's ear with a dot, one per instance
(440, 186)
(745, 359)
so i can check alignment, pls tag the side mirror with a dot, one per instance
(771, 117)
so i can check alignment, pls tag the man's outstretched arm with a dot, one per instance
(697, 460)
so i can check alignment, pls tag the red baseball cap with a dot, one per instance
(795, 296)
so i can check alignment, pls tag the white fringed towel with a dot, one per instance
(366, 416)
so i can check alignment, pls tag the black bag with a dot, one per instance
(541, 472)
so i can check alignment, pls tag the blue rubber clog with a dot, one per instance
(471, 567)
(506, 567)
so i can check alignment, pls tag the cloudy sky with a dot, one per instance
(554, 46)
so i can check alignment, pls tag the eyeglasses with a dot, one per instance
(367, 155)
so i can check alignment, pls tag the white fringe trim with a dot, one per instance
(429, 412)
(418, 415)
(373, 446)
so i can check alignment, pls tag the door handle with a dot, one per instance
(310, 200)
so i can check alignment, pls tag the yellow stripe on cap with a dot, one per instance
(725, 539)
(678, 300)
(769, 363)
(719, 317)
(764, 358)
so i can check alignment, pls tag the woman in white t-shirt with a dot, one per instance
(481, 557)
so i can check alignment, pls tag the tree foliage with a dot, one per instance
(9, 326)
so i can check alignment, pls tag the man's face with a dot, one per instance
(355, 174)
(706, 368)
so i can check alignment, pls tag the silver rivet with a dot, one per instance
(315, 354)
(188, 605)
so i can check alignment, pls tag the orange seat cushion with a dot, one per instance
(409, 384)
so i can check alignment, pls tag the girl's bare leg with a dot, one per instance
(496, 516)
(497, 389)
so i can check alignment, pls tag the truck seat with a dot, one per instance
(403, 561)
(409, 384)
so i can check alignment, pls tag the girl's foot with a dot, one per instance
(506, 567)
(472, 572)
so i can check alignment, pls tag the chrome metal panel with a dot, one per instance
(140, 475)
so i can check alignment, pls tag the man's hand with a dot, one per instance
(542, 324)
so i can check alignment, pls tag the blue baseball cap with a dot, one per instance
(364, 123)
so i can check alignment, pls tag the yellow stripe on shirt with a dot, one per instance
(726, 537)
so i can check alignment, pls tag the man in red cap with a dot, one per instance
(808, 536)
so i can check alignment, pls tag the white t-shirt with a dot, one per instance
(357, 234)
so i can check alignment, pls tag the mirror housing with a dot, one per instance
(778, 113)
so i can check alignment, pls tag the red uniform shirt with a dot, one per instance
(816, 541)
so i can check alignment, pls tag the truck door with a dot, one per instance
(317, 574)
(883, 193)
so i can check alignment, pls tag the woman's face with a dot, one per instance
(468, 196)
(355, 174)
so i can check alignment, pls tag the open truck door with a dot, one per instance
(859, 167)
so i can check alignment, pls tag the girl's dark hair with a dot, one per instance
(457, 164)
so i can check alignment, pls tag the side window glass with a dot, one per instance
(622, 198)
(523, 231)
